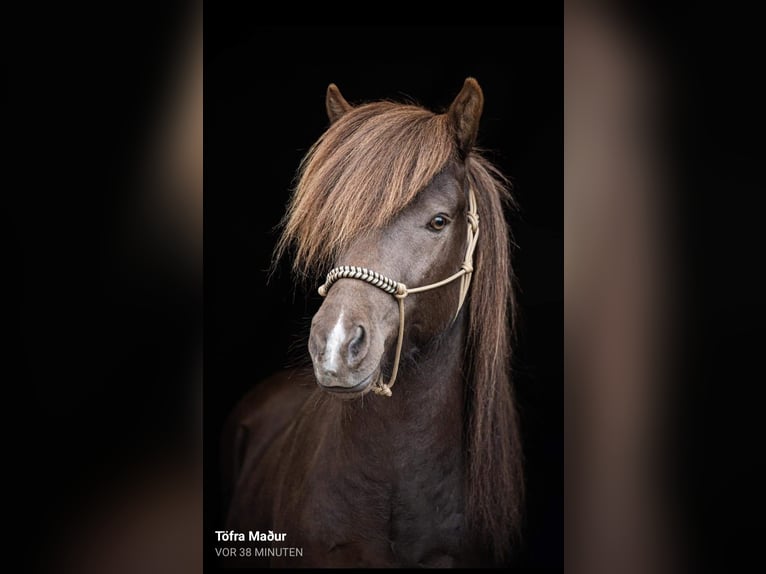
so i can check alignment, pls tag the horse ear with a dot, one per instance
(336, 104)
(465, 113)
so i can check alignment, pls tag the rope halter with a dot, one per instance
(400, 291)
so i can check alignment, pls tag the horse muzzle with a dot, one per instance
(343, 350)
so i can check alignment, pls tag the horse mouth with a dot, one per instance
(358, 389)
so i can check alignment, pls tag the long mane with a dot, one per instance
(367, 167)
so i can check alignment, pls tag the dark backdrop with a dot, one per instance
(264, 106)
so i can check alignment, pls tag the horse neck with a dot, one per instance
(423, 418)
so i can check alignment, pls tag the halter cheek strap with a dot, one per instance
(400, 290)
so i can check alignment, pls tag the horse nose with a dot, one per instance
(356, 348)
(338, 350)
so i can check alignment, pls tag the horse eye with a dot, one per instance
(438, 222)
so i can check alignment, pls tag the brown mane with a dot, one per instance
(367, 167)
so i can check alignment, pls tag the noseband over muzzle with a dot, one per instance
(400, 290)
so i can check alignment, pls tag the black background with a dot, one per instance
(264, 106)
(106, 329)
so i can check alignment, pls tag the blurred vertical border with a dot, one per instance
(105, 145)
(664, 306)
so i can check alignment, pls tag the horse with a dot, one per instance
(401, 446)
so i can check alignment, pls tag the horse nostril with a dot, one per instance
(356, 344)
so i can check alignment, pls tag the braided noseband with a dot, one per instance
(400, 290)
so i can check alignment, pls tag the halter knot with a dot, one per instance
(401, 291)
(382, 389)
(473, 220)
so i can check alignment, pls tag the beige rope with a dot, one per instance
(400, 290)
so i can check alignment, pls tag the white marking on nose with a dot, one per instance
(334, 342)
